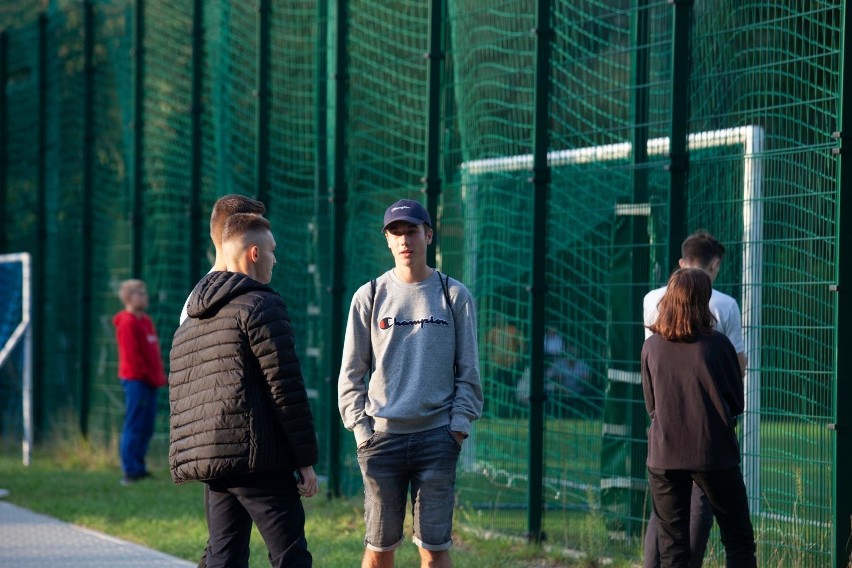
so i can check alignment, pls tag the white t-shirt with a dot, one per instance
(722, 306)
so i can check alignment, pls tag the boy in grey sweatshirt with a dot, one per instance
(409, 389)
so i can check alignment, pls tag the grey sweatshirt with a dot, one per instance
(410, 364)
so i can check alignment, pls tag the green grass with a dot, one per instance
(80, 485)
(78, 482)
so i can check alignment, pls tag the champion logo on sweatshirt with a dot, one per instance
(387, 323)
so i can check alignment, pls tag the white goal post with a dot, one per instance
(23, 333)
(751, 140)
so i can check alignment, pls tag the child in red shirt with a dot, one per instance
(140, 368)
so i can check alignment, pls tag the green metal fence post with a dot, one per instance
(640, 269)
(88, 183)
(338, 193)
(197, 111)
(435, 63)
(842, 427)
(541, 182)
(262, 94)
(137, 215)
(623, 444)
(678, 150)
(322, 219)
(641, 76)
(4, 136)
(40, 260)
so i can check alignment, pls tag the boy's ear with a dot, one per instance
(254, 253)
(715, 263)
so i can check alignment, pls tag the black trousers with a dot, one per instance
(269, 500)
(671, 491)
(700, 524)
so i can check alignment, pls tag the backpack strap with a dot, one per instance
(445, 285)
(372, 300)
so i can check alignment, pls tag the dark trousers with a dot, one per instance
(671, 491)
(269, 500)
(700, 523)
(140, 403)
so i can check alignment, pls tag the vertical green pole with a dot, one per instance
(4, 136)
(195, 251)
(842, 427)
(40, 260)
(435, 63)
(262, 94)
(541, 188)
(338, 194)
(137, 211)
(640, 269)
(87, 221)
(641, 77)
(679, 153)
(322, 219)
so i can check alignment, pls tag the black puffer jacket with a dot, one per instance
(236, 393)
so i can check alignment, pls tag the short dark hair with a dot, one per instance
(227, 206)
(700, 248)
(684, 310)
(240, 224)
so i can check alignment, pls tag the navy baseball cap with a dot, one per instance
(407, 210)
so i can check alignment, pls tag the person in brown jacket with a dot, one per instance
(693, 389)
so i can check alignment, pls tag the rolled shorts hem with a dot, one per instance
(390, 548)
(433, 547)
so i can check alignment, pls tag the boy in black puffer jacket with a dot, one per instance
(240, 418)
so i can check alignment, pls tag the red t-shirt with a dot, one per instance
(138, 349)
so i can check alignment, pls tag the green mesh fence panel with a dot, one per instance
(595, 267)
(385, 136)
(22, 116)
(166, 158)
(491, 54)
(747, 56)
(234, 99)
(292, 199)
(58, 374)
(111, 252)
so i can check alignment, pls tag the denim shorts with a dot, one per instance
(425, 464)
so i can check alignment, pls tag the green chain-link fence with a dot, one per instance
(122, 121)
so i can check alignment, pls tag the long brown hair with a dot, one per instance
(684, 311)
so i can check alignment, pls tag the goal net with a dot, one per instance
(16, 350)
(586, 185)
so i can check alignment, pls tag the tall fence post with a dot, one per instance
(842, 427)
(639, 103)
(435, 64)
(262, 94)
(88, 182)
(678, 151)
(39, 264)
(137, 215)
(196, 109)
(4, 135)
(322, 219)
(338, 193)
(541, 183)
(640, 268)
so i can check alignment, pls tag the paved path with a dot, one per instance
(30, 540)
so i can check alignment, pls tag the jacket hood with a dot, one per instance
(217, 289)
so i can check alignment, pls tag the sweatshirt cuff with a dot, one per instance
(362, 432)
(460, 424)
